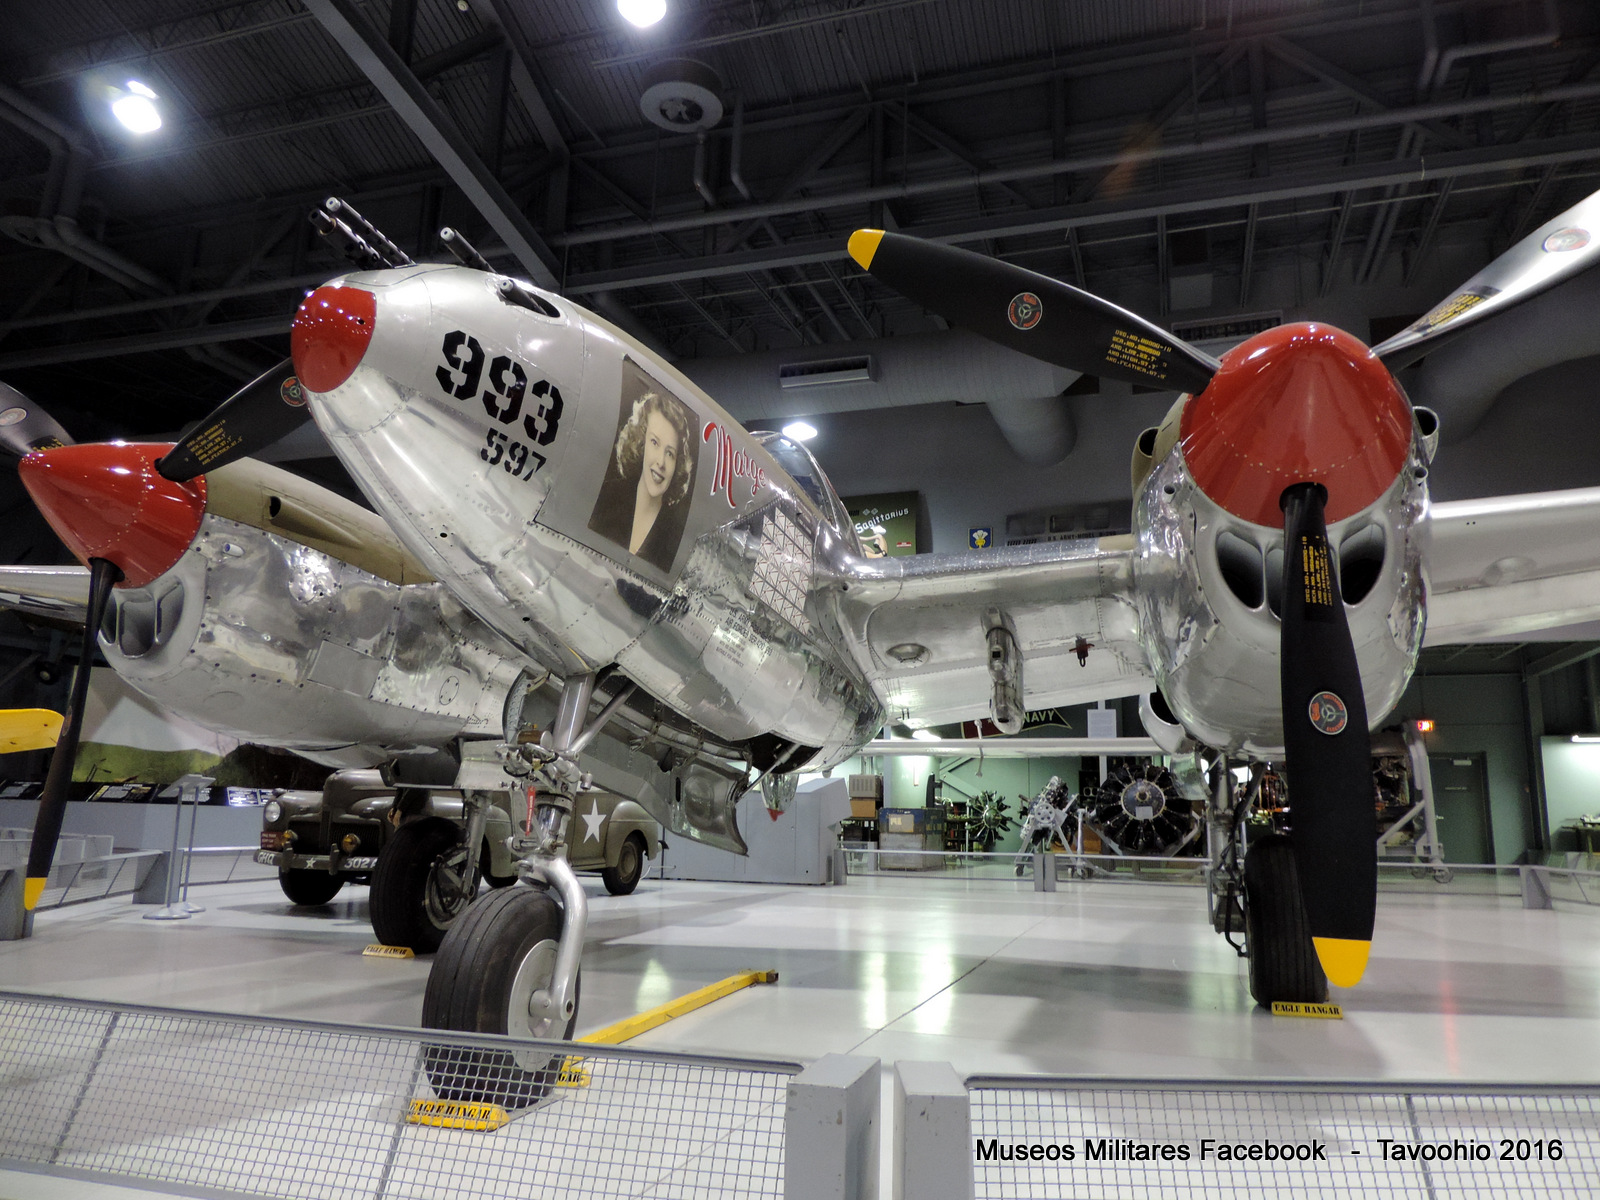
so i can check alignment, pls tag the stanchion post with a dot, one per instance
(1535, 887)
(1044, 871)
(190, 785)
(932, 1133)
(830, 1129)
(170, 910)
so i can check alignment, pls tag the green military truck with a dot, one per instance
(410, 846)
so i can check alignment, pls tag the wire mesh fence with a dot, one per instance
(1132, 1140)
(305, 1111)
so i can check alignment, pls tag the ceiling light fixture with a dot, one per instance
(799, 431)
(925, 735)
(136, 109)
(642, 13)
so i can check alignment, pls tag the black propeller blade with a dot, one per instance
(25, 427)
(247, 422)
(1032, 313)
(1562, 247)
(103, 576)
(1328, 750)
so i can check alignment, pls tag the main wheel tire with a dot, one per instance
(624, 877)
(307, 887)
(491, 962)
(1283, 962)
(417, 889)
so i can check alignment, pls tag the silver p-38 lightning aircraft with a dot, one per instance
(653, 595)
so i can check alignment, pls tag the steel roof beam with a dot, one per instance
(752, 213)
(1189, 198)
(376, 59)
(143, 343)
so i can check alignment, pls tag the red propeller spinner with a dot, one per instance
(1301, 403)
(106, 500)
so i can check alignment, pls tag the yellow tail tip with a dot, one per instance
(863, 245)
(32, 889)
(1344, 960)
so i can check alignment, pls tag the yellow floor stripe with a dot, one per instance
(622, 1031)
(572, 1071)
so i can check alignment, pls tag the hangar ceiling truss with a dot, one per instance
(1100, 142)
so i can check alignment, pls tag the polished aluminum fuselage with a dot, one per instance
(705, 637)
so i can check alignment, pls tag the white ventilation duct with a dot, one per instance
(1462, 379)
(1023, 394)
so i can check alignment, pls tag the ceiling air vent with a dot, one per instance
(858, 368)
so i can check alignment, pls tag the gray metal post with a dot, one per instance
(830, 1127)
(932, 1133)
(1044, 872)
(13, 916)
(841, 867)
(170, 911)
(1535, 887)
(153, 888)
(190, 785)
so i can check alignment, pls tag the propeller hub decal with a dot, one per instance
(1025, 311)
(292, 393)
(1328, 714)
(1562, 240)
(12, 415)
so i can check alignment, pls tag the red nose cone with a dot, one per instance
(1299, 403)
(105, 500)
(330, 334)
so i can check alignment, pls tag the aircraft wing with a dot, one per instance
(1511, 565)
(1054, 593)
(59, 594)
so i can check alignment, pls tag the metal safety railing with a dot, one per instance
(1301, 1139)
(1538, 885)
(1019, 1136)
(309, 1111)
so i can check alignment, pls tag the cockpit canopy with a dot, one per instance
(796, 460)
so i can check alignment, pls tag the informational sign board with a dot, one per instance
(885, 523)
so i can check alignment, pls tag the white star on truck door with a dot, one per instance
(592, 821)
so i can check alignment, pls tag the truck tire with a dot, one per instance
(624, 877)
(476, 985)
(307, 887)
(417, 892)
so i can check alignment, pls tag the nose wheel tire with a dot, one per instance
(624, 877)
(308, 887)
(489, 974)
(419, 887)
(1283, 962)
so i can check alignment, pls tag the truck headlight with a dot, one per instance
(272, 813)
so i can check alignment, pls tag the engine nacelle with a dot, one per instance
(1209, 589)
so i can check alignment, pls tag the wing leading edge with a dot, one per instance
(1507, 566)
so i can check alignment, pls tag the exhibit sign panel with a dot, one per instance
(885, 523)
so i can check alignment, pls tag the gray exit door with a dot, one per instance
(1461, 802)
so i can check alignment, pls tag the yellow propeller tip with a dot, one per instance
(32, 889)
(1344, 960)
(863, 245)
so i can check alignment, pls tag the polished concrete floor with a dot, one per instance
(1097, 978)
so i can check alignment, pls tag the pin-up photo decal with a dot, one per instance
(649, 481)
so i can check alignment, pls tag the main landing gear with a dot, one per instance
(1255, 895)
(510, 964)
